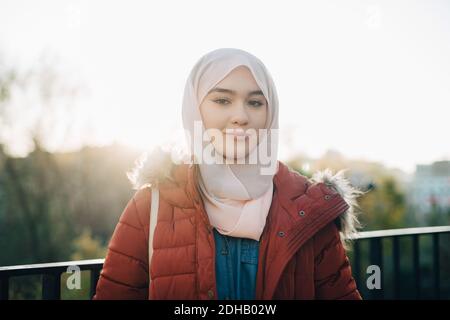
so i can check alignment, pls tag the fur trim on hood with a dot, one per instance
(153, 167)
(348, 222)
(153, 172)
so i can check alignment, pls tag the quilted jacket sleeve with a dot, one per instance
(333, 276)
(125, 270)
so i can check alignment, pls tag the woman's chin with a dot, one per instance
(241, 151)
(241, 154)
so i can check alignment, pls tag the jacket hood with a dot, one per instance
(156, 167)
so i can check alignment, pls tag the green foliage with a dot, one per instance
(76, 294)
(87, 247)
(438, 216)
(384, 206)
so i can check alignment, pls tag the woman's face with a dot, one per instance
(235, 105)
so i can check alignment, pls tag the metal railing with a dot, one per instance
(392, 238)
(51, 272)
(51, 276)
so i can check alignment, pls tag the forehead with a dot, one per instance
(239, 79)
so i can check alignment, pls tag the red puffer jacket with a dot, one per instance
(301, 253)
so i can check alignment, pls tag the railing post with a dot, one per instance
(51, 286)
(4, 288)
(416, 264)
(396, 253)
(436, 266)
(376, 258)
(95, 274)
(357, 262)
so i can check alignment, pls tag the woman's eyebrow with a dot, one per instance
(223, 90)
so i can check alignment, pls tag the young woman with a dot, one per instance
(230, 226)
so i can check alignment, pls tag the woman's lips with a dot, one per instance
(236, 132)
(237, 135)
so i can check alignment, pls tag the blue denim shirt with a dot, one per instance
(236, 267)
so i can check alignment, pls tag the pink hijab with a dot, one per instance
(237, 196)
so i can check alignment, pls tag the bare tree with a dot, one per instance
(43, 93)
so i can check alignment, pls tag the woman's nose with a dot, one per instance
(240, 116)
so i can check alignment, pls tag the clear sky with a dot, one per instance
(370, 79)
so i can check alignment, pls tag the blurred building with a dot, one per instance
(431, 186)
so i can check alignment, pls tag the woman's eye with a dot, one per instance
(222, 101)
(255, 103)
